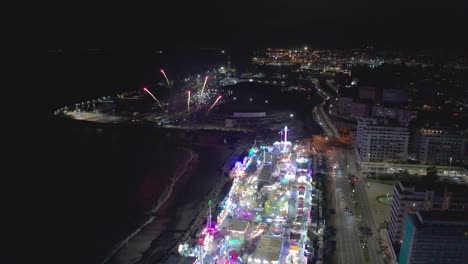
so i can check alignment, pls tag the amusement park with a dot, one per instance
(266, 214)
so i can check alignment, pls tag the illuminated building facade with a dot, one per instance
(413, 197)
(379, 140)
(435, 237)
(404, 116)
(440, 145)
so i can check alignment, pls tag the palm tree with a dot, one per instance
(431, 174)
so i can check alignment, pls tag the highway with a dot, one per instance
(319, 120)
(343, 163)
(347, 235)
(327, 120)
(333, 87)
(347, 162)
(324, 121)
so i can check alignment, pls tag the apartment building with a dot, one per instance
(440, 145)
(435, 237)
(409, 198)
(381, 139)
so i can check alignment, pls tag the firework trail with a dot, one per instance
(204, 84)
(213, 105)
(165, 76)
(154, 97)
(188, 102)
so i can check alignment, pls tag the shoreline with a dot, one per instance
(190, 224)
(182, 170)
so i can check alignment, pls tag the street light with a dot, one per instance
(450, 166)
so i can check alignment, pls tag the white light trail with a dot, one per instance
(154, 97)
(188, 102)
(165, 76)
(213, 105)
(204, 84)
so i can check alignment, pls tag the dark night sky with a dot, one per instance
(338, 23)
(37, 26)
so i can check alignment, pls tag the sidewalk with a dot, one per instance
(380, 211)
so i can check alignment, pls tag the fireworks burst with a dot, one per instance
(202, 99)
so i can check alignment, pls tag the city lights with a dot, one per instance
(267, 222)
(370, 136)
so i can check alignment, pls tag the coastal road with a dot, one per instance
(327, 120)
(319, 120)
(347, 228)
(347, 161)
(348, 248)
(347, 236)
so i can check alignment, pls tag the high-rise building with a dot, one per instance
(404, 116)
(435, 237)
(359, 109)
(367, 93)
(410, 197)
(343, 105)
(380, 139)
(440, 145)
(394, 97)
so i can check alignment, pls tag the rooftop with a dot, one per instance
(442, 217)
(438, 187)
(379, 122)
(269, 248)
(236, 225)
(441, 130)
(349, 92)
(265, 174)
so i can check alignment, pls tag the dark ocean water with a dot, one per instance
(97, 185)
(77, 189)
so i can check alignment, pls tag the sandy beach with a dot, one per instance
(177, 207)
(132, 248)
